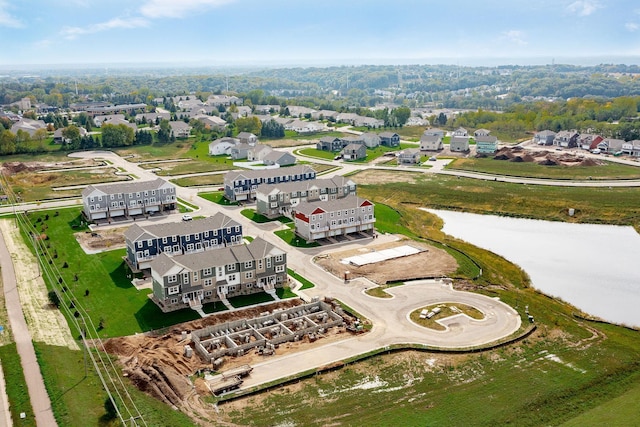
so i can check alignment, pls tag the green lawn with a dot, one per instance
(292, 240)
(201, 180)
(320, 154)
(16, 386)
(618, 412)
(112, 297)
(533, 170)
(217, 197)
(306, 284)
(79, 401)
(190, 166)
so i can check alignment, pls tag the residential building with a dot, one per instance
(486, 144)
(566, 139)
(127, 199)
(329, 143)
(180, 129)
(371, 140)
(247, 138)
(211, 122)
(460, 132)
(98, 120)
(481, 132)
(434, 132)
(239, 151)
(588, 141)
(144, 243)
(274, 200)
(116, 122)
(431, 142)
(280, 158)
(28, 125)
(544, 137)
(222, 146)
(258, 152)
(242, 185)
(410, 156)
(353, 139)
(58, 138)
(459, 143)
(611, 146)
(632, 148)
(317, 220)
(354, 152)
(195, 279)
(389, 139)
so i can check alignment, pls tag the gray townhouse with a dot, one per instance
(339, 217)
(195, 279)
(329, 143)
(389, 139)
(128, 199)
(145, 243)
(274, 200)
(242, 185)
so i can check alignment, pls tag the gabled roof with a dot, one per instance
(182, 228)
(349, 202)
(307, 185)
(127, 187)
(269, 173)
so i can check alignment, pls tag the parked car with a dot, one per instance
(187, 217)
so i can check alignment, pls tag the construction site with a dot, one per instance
(212, 356)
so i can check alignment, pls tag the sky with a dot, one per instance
(318, 33)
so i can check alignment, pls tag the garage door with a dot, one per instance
(153, 208)
(117, 212)
(136, 211)
(99, 215)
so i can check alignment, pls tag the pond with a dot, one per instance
(593, 267)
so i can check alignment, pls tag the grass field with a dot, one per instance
(16, 386)
(533, 170)
(201, 180)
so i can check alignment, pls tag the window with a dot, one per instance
(268, 262)
(207, 282)
(164, 240)
(185, 278)
(172, 279)
(195, 276)
(207, 271)
(279, 268)
(168, 249)
(231, 267)
(248, 275)
(313, 217)
(260, 264)
(248, 264)
(237, 228)
(176, 248)
(279, 258)
(174, 300)
(206, 234)
(149, 242)
(139, 255)
(173, 290)
(139, 244)
(231, 278)
(208, 293)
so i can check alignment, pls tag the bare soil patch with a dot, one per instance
(102, 240)
(372, 177)
(46, 323)
(156, 363)
(545, 157)
(431, 262)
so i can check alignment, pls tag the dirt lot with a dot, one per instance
(156, 363)
(105, 239)
(45, 323)
(545, 157)
(431, 262)
(372, 177)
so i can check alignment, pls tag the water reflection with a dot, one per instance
(594, 267)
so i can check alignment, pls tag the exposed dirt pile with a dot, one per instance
(104, 239)
(156, 362)
(12, 168)
(544, 157)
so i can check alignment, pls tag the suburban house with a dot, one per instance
(486, 144)
(280, 158)
(239, 151)
(611, 145)
(180, 129)
(354, 152)
(317, 220)
(222, 146)
(116, 122)
(98, 120)
(460, 132)
(459, 143)
(195, 279)
(369, 122)
(389, 139)
(28, 125)
(371, 140)
(58, 138)
(324, 115)
(434, 132)
(152, 117)
(481, 132)
(410, 156)
(431, 142)
(274, 200)
(566, 139)
(544, 137)
(632, 148)
(211, 122)
(302, 126)
(299, 111)
(127, 199)
(224, 100)
(145, 243)
(588, 141)
(258, 152)
(242, 185)
(353, 139)
(329, 143)
(247, 138)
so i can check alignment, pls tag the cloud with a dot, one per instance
(515, 36)
(632, 26)
(177, 9)
(126, 23)
(6, 19)
(584, 7)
